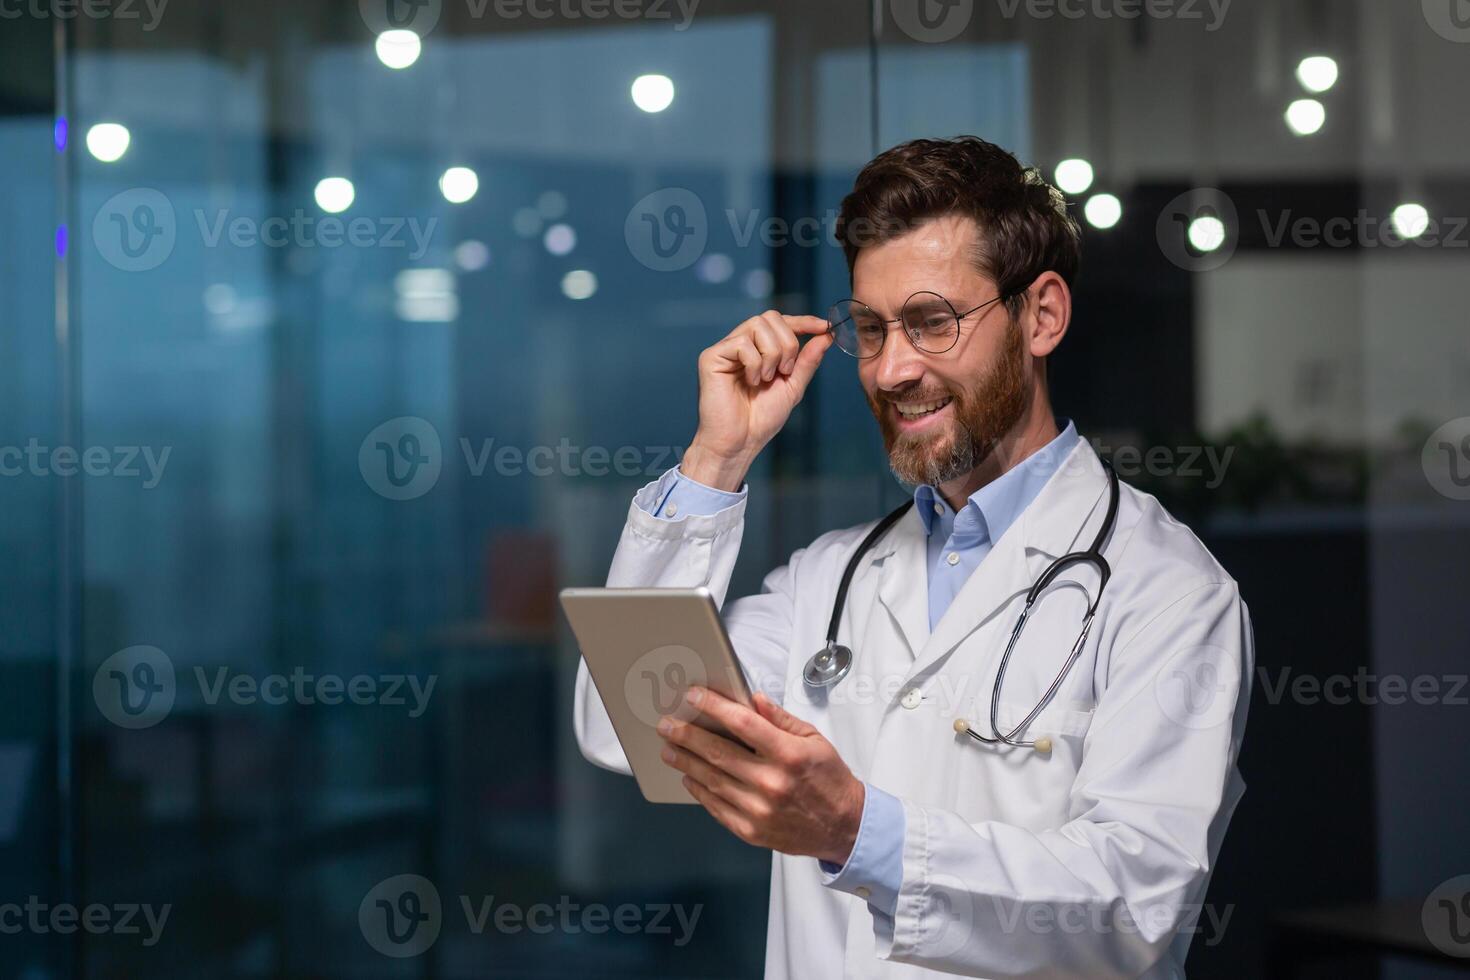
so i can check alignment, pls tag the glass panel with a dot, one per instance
(38, 464)
(396, 346)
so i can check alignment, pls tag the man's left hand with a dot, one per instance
(788, 791)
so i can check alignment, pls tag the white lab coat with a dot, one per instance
(1090, 861)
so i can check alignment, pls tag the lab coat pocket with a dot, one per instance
(1021, 785)
(1065, 719)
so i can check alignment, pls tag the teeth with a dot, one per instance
(914, 410)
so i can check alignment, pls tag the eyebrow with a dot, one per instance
(936, 300)
(929, 301)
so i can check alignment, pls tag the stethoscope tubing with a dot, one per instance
(1092, 556)
(880, 529)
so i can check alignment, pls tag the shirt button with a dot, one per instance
(939, 509)
(954, 558)
(672, 510)
(912, 698)
(863, 891)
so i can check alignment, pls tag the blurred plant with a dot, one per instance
(1259, 470)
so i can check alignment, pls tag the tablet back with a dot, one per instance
(644, 648)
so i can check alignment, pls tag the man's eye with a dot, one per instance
(933, 324)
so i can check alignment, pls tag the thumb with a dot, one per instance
(781, 718)
(807, 361)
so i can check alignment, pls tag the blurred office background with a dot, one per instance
(376, 446)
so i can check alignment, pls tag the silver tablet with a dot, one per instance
(644, 648)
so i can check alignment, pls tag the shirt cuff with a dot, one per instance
(874, 869)
(678, 496)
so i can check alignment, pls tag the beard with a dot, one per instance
(982, 414)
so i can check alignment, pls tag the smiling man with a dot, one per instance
(1027, 764)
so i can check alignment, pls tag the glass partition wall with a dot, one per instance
(337, 338)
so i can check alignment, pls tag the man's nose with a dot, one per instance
(898, 362)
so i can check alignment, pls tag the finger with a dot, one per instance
(806, 324)
(729, 817)
(806, 362)
(739, 794)
(742, 722)
(790, 343)
(750, 359)
(726, 353)
(781, 718)
(768, 341)
(784, 339)
(716, 750)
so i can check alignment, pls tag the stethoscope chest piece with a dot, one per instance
(828, 665)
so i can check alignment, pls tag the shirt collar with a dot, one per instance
(1002, 500)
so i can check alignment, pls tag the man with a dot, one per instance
(1079, 840)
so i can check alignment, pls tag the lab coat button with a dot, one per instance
(912, 698)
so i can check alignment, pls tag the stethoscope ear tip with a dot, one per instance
(1043, 744)
(961, 726)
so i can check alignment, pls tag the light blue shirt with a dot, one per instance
(957, 543)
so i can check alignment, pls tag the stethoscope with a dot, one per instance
(831, 663)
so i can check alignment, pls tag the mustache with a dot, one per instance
(927, 395)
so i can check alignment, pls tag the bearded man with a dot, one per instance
(945, 792)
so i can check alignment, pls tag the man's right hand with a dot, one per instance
(748, 384)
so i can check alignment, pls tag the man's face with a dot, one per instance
(941, 414)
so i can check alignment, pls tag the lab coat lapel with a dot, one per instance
(903, 587)
(1048, 528)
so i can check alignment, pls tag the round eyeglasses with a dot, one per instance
(929, 321)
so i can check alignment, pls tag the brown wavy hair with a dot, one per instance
(1025, 228)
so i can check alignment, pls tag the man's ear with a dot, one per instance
(1051, 312)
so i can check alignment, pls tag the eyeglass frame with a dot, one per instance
(958, 317)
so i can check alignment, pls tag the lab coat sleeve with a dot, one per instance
(1104, 894)
(685, 552)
